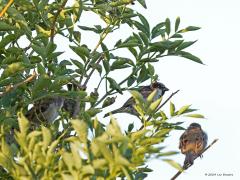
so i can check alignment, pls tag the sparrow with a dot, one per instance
(128, 106)
(192, 143)
(45, 110)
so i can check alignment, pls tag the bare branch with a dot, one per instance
(185, 168)
(6, 8)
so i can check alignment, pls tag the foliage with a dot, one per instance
(82, 147)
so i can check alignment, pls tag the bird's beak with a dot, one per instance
(166, 89)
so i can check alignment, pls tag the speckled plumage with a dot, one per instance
(45, 110)
(128, 106)
(192, 143)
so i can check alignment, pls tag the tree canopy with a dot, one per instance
(78, 145)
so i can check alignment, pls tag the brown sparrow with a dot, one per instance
(192, 143)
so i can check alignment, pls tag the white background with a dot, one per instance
(213, 88)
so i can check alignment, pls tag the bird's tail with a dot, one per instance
(189, 159)
(119, 110)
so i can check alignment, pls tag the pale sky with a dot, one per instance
(213, 88)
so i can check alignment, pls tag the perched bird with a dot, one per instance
(128, 106)
(72, 107)
(45, 110)
(192, 143)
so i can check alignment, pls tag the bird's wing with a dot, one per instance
(192, 140)
(129, 102)
(39, 107)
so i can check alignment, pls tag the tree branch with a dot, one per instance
(185, 168)
(92, 71)
(10, 88)
(55, 20)
(6, 8)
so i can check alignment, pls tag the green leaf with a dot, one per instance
(189, 56)
(39, 50)
(77, 9)
(168, 26)
(183, 109)
(23, 123)
(131, 80)
(128, 44)
(106, 65)
(195, 115)
(93, 111)
(47, 137)
(50, 48)
(78, 64)
(189, 28)
(174, 164)
(77, 36)
(141, 27)
(185, 45)
(145, 23)
(177, 22)
(105, 51)
(109, 101)
(133, 51)
(143, 75)
(176, 36)
(121, 63)
(8, 39)
(41, 85)
(81, 51)
(153, 106)
(114, 85)
(13, 69)
(158, 30)
(143, 3)
(151, 69)
(151, 96)
(6, 27)
(41, 70)
(138, 97)
(42, 4)
(89, 29)
(81, 128)
(144, 38)
(172, 109)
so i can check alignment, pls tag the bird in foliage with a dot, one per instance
(192, 143)
(128, 106)
(45, 110)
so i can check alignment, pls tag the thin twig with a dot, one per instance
(55, 20)
(6, 7)
(92, 71)
(185, 168)
(102, 37)
(174, 93)
(10, 88)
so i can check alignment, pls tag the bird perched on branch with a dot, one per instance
(192, 143)
(128, 106)
(45, 110)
